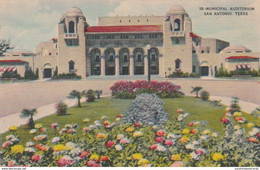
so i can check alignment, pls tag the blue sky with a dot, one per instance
(28, 22)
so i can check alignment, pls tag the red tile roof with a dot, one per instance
(12, 61)
(194, 35)
(242, 57)
(131, 28)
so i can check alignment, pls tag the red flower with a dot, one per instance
(137, 124)
(224, 120)
(159, 139)
(258, 135)
(84, 154)
(35, 158)
(119, 116)
(104, 158)
(91, 163)
(160, 133)
(168, 142)
(106, 123)
(254, 140)
(191, 123)
(110, 144)
(153, 147)
(193, 131)
(65, 161)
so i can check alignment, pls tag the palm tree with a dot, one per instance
(196, 90)
(26, 113)
(77, 94)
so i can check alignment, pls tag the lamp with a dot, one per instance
(149, 51)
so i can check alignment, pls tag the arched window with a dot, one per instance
(177, 64)
(139, 57)
(97, 58)
(177, 25)
(125, 58)
(71, 65)
(71, 27)
(111, 58)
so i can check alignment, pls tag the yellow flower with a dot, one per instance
(86, 120)
(137, 156)
(101, 135)
(143, 162)
(17, 149)
(60, 147)
(94, 157)
(130, 129)
(206, 132)
(237, 114)
(250, 125)
(217, 157)
(176, 157)
(237, 127)
(38, 126)
(138, 134)
(184, 139)
(13, 128)
(186, 131)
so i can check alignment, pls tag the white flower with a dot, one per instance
(238, 132)
(197, 122)
(15, 140)
(186, 114)
(161, 148)
(171, 136)
(75, 152)
(30, 149)
(215, 134)
(28, 144)
(190, 146)
(253, 132)
(195, 156)
(68, 126)
(9, 137)
(98, 123)
(195, 142)
(104, 118)
(55, 140)
(180, 117)
(71, 145)
(204, 137)
(33, 131)
(91, 127)
(118, 147)
(120, 136)
(118, 119)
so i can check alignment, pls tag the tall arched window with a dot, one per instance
(71, 65)
(177, 25)
(71, 27)
(177, 64)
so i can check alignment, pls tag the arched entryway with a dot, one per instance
(110, 61)
(124, 61)
(47, 71)
(138, 61)
(204, 68)
(95, 57)
(154, 61)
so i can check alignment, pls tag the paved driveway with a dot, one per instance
(14, 97)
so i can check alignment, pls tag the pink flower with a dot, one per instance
(92, 163)
(35, 158)
(191, 123)
(11, 163)
(200, 151)
(125, 140)
(258, 135)
(137, 124)
(177, 164)
(84, 154)
(224, 120)
(153, 147)
(110, 144)
(168, 142)
(6, 144)
(65, 161)
(160, 133)
(159, 139)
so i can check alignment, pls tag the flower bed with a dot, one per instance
(129, 89)
(105, 143)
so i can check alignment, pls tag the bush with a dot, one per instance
(11, 75)
(146, 109)
(66, 76)
(90, 95)
(204, 95)
(29, 74)
(180, 74)
(61, 108)
(98, 93)
(234, 107)
(129, 89)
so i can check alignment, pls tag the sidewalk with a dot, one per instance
(47, 110)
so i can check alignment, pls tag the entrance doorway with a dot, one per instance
(47, 73)
(204, 71)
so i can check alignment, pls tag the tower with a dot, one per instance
(177, 43)
(72, 43)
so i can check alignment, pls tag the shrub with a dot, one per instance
(234, 107)
(29, 74)
(98, 93)
(146, 109)
(180, 74)
(204, 95)
(90, 95)
(66, 76)
(61, 108)
(11, 75)
(129, 89)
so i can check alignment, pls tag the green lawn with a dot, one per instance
(200, 111)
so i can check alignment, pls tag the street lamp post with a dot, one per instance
(148, 56)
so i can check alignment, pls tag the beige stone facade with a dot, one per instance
(122, 45)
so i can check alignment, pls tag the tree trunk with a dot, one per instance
(79, 102)
(197, 94)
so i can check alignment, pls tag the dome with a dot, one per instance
(236, 48)
(74, 11)
(176, 9)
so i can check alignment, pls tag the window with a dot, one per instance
(177, 64)
(97, 58)
(154, 68)
(120, 21)
(178, 40)
(49, 53)
(129, 20)
(197, 43)
(138, 20)
(193, 69)
(71, 27)
(123, 36)
(177, 25)
(72, 42)
(152, 35)
(71, 65)
(139, 57)
(109, 37)
(202, 51)
(125, 58)
(153, 57)
(138, 36)
(148, 20)
(111, 58)
(193, 51)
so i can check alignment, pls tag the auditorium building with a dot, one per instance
(120, 46)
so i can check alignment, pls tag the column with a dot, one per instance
(131, 66)
(145, 65)
(103, 66)
(116, 65)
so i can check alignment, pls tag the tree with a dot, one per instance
(4, 46)
(78, 95)
(196, 90)
(90, 95)
(26, 113)
(98, 93)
